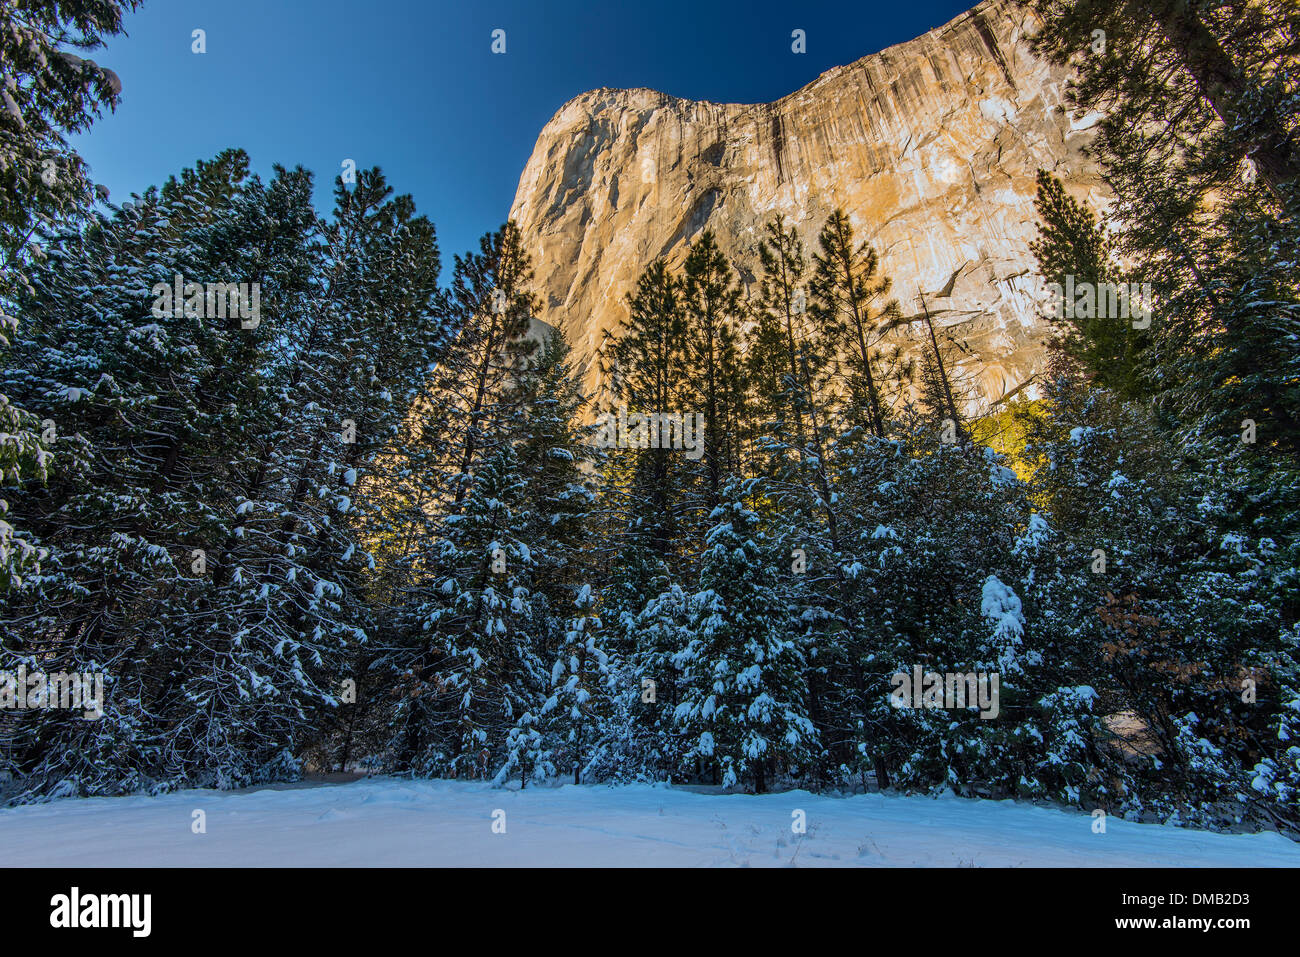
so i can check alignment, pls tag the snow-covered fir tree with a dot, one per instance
(200, 551)
(577, 710)
(472, 660)
(743, 712)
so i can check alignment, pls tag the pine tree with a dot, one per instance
(49, 93)
(470, 665)
(471, 651)
(1073, 250)
(656, 678)
(1144, 600)
(784, 353)
(844, 285)
(745, 710)
(580, 681)
(23, 457)
(490, 307)
(557, 455)
(1196, 143)
(711, 299)
(927, 523)
(1277, 775)
(525, 753)
(794, 385)
(155, 416)
(202, 538)
(646, 494)
(355, 369)
(1227, 59)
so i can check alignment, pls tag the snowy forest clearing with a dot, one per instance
(389, 822)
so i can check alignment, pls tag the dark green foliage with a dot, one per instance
(421, 556)
(1073, 250)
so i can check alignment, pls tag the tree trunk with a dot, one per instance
(943, 375)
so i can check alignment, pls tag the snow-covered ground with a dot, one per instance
(419, 823)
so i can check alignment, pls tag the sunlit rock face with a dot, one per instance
(930, 146)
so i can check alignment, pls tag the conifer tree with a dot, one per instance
(1073, 250)
(1146, 601)
(470, 397)
(656, 679)
(558, 456)
(200, 557)
(1229, 60)
(711, 299)
(525, 754)
(845, 284)
(927, 523)
(470, 661)
(745, 711)
(1197, 144)
(49, 93)
(795, 395)
(156, 411)
(580, 680)
(645, 493)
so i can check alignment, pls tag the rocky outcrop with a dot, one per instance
(930, 146)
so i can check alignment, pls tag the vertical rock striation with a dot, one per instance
(930, 146)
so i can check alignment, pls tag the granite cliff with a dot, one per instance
(930, 146)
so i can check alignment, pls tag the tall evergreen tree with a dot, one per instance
(1074, 250)
(1197, 144)
(745, 710)
(203, 551)
(1145, 600)
(580, 679)
(490, 307)
(49, 93)
(845, 284)
(712, 305)
(645, 493)
(470, 664)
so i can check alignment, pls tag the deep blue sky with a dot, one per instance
(413, 86)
